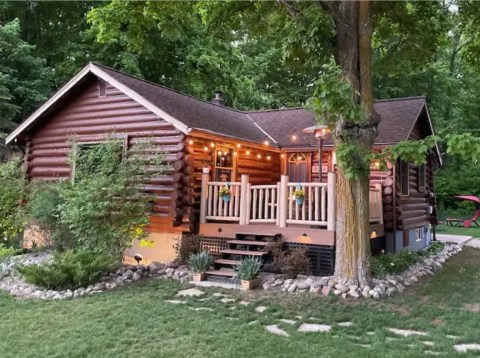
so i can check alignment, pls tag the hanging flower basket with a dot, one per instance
(299, 195)
(224, 193)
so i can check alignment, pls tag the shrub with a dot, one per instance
(186, 246)
(69, 270)
(12, 195)
(43, 210)
(200, 262)
(8, 251)
(248, 269)
(288, 262)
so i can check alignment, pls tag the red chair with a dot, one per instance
(466, 222)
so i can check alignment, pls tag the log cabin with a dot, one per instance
(262, 157)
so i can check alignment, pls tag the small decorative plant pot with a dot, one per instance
(226, 198)
(199, 276)
(250, 284)
(299, 201)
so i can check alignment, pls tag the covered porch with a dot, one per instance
(272, 209)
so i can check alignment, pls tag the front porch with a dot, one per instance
(272, 209)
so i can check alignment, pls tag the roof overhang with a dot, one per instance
(97, 71)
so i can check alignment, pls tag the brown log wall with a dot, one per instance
(88, 118)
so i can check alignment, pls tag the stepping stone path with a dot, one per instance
(407, 332)
(433, 353)
(175, 302)
(428, 343)
(288, 321)
(191, 292)
(260, 309)
(276, 330)
(227, 300)
(345, 324)
(452, 337)
(308, 327)
(201, 308)
(244, 303)
(252, 322)
(463, 348)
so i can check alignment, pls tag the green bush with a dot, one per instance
(43, 210)
(8, 251)
(200, 262)
(249, 268)
(384, 264)
(12, 195)
(68, 270)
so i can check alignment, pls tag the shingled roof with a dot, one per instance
(187, 113)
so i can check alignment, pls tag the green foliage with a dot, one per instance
(354, 159)
(68, 270)
(186, 246)
(249, 268)
(200, 262)
(415, 152)
(24, 77)
(224, 191)
(12, 194)
(7, 251)
(384, 264)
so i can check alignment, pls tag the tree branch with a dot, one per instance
(290, 8)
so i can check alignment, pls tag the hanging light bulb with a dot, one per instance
(219, 152)
(294, 137)
(269, 157)
(248, 152)
(282, 155)
(190, 142)
(259, 156)
(266, 142)
(239, 145)
(212, 144)
(205, 148)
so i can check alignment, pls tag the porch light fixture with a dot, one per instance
(320, 132)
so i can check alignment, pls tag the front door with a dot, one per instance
(297, 168)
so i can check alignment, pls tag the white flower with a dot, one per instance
(392, 264)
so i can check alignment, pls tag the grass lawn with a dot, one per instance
(473, 231)
(135, 321)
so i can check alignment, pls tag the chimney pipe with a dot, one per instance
(218, 99)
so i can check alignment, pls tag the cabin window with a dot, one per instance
(404, 175)
(418, 235)
(92, 158)
(224, 164)
(421, 177)
(102, 89)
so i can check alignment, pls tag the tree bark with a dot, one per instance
(353, 24)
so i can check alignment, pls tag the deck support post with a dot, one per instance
(204, 195)
(331, 203)
(283, 202)
(244, 199)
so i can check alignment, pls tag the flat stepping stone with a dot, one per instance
(252, 322)
(276, 330)
(260, 309)
(244, 303)
(345, 324)
(191, 292)
(308, 327)
(175, 302)
(364, 345)
(288, 321)
(407, 332)
(219, 294)
(452, 336)
(463, 348)
(433, 353)
(201, 308)
(428, 343)
(227, 300)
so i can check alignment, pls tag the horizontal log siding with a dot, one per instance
(89, 118)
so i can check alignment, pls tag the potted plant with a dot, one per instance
(224, 193)
(199, 263)
(299, 195)
(247, 272)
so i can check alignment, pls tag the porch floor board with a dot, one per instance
(243, 252)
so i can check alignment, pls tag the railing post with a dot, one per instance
(244, 199)
(204, 195)
(331, 204)
(380, 201)
(283, 203)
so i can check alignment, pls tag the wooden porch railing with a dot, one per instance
(275, 203)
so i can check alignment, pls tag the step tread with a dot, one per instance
(227, 262)
(221, 273)
(248, 242)
(244, 252)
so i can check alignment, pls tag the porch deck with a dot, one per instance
(272, 209)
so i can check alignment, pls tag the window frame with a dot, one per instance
(404, 175)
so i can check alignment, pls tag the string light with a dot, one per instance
(190, 142)
(269, 157)
(294, 137)
(219, 152)
(239, 145)
(234, 153)
(205, 148)
(266, 142)
(282, 155)
(259, 156)
(212, 144)
(247, 152)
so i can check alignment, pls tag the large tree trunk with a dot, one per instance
(353, 54)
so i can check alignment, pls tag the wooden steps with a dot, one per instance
(248, 242)
(224, 273)
(252, 245)
(244, 252)
(227, 262)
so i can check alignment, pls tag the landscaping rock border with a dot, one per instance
(381, 288)
(12, 282)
